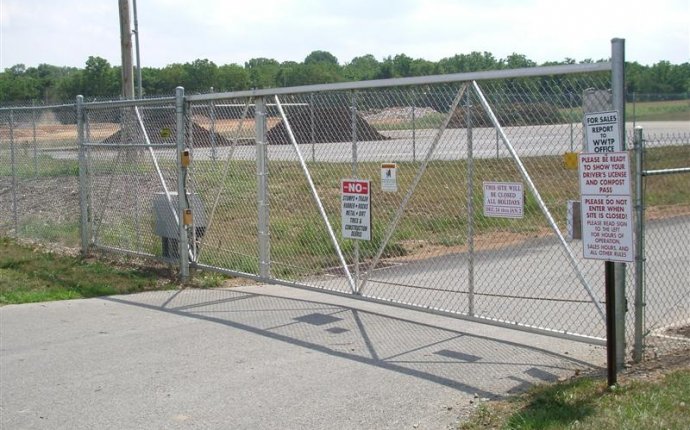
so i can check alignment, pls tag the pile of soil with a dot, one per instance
(161, 128)
(331, 124)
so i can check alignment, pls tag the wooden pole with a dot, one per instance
(126, 50)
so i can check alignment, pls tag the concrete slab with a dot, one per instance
(259, 357)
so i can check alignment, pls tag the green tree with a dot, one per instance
(232, 77)
(99, 79)
(362, 68)
(262, 72)
(321, 57)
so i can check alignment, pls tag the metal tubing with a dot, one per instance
(183, 250)
(540, 201)
(420, 172)
(611, 323)
(262, 190)
(312, 127)
(414, 132)
(13, 162)
(638, 346)
(33, 134)
(83, 172)
(353, 115)
(665, 171)
(418, 80)
(470, 209)
(315, 196)
(618, 94)
(213, 129)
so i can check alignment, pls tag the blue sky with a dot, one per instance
(67, 32)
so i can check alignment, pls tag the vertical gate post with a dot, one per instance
(639, 248)
(182, 243)
(13, 162)
(618, 95)
(33, 134)
(470, 207)
(83, 191)
(353, 111)
(262, 190)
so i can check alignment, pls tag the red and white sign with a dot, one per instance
(605, 174)
(607, 228)
(504, 199)
(607, 223)
(355, 199)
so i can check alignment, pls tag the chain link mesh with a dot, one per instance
(666, 236)
(435, 245)
(39, 189)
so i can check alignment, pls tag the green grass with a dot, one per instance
(586, 403)
(31, 275)
(672, 110)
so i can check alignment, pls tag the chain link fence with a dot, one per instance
(39, 189)
(470, 207)
(664, 285)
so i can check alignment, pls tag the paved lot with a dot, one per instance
(259, 357)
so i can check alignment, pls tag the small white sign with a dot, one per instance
(607, 228)
(503, 200)
(355, 201)
(389, 181)
(602, 130)
(605, 174)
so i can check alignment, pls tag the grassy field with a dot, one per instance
(30, 274)
(436, 216)
(647, 400)
(672, 110)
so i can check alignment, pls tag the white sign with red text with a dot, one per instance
(607, 223)
(355, 198)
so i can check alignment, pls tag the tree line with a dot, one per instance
(99, 79)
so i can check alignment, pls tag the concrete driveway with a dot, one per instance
(259, 357)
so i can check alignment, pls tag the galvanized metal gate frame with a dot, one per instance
(358, 286)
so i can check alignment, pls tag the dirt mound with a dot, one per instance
(331, 124)
(161, 129)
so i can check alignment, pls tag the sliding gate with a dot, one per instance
(469, 192)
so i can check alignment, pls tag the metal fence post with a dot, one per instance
(213, 128)
(414, 131)
(183, 246)
(33, 133)
(264, 231)
(618, 95)
(83, 172)
(353, 109)
(470, 208)
(640, 301)
(13, 161)
(312, 126)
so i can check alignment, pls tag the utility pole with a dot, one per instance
(136, 42)
(126, 50)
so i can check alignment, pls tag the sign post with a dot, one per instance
(607, 225)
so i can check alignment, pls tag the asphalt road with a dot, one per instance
(259, 357)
